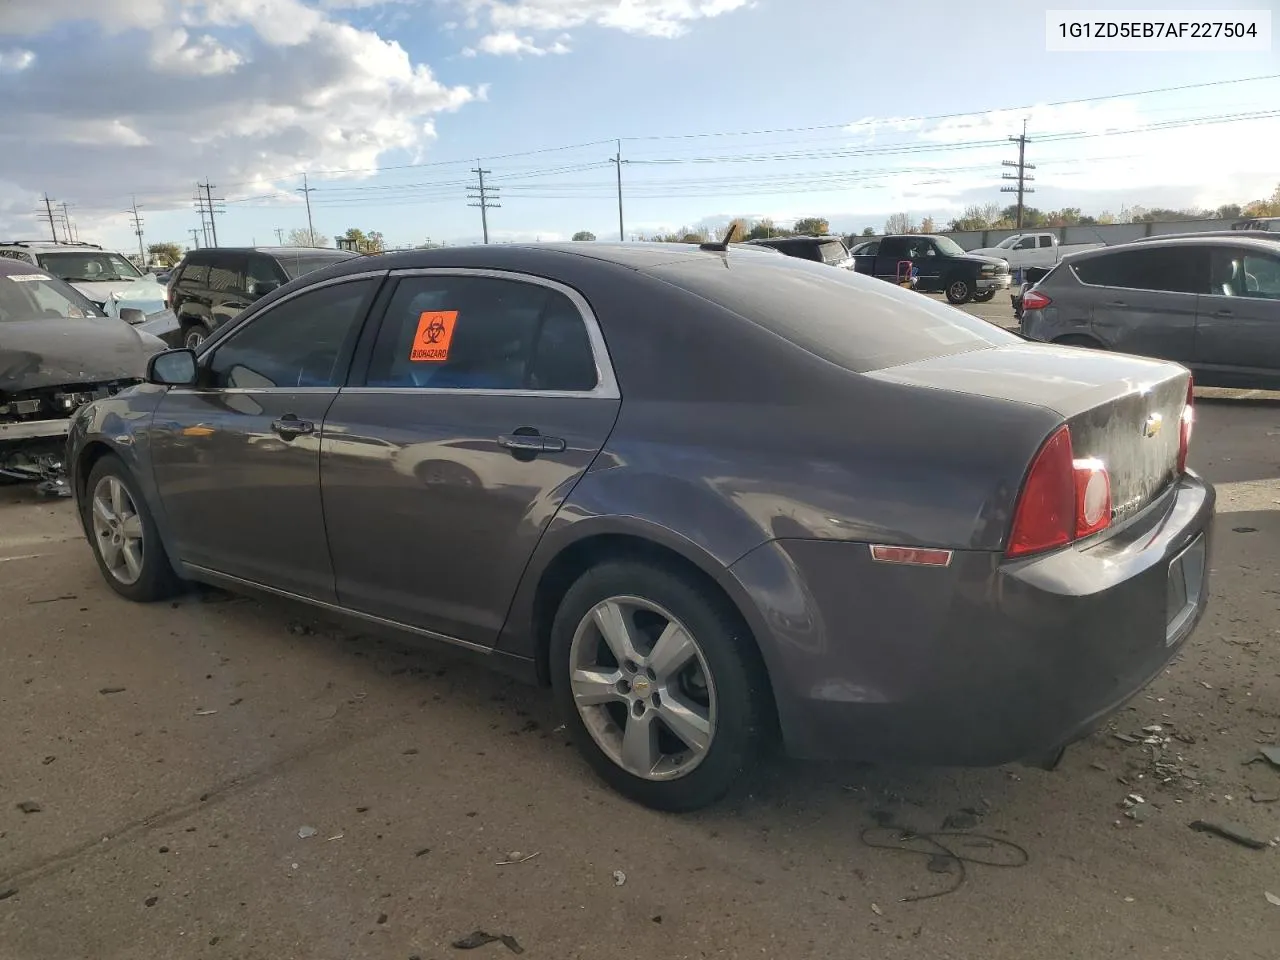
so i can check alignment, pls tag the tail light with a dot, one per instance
(1184, 427)
(1034, 300)
(1062, 499)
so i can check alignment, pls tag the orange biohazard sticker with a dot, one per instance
(435, 331)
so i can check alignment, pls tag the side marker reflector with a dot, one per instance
(916, 556)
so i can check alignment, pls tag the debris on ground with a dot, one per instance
(619, 878)
(1271, 754)
(479, 939)
(966, 819)
(106, 690)
(954, 846)
(515, 856)
(301, 629)
(205, 713)
(336, 836)
(305, 832)
(29, 806)
(875, 908)
(60, 597)
(1257, 797)
(1229, 831)
(151, 901)
(1271, 897)
(13, 892)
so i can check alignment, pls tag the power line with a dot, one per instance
(480, 194)
(1021, 175)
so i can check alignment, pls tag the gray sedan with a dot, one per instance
(710, 497)
(1211, 302)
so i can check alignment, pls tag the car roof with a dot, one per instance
(51, 244)
(1263, 235)
(275, 251)
(1183, 240)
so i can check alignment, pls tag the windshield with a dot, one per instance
(297, 266)
(1008, 242)
(83, 266)
(834, 252)
(32, 296)
(949, 246)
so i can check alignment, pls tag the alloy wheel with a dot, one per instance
(641, 684)
(959, 290)
(117, 530)
(193, 339)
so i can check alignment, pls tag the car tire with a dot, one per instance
(194, 333)
(959, 290)
(1079, 340)
(984, 296)
(719, 700)
(123, 535)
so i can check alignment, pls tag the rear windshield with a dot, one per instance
(850, 319)
(305, 263)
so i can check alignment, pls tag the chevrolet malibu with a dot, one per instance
(710, 497)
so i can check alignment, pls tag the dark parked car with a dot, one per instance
(1211, 303)
(939, 264)
(828, 250)
(705, 494)
(212, 285)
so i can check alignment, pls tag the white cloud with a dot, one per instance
(246, 93)
(654, 18)
(16, 60)
(507, 43)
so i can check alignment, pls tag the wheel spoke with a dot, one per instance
(593, 687)
(131, 527)
(615, 628)
(672, 651)
(110, 552)
(116, 489)
(132, 557)
(102, 510)
(686, 722)
(640, 744)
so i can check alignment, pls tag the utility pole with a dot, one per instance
(210, 208)
(280, 236)
(195, 238)
(48, 212)
(483, 194)
(306, 193)
(137, 229)
(617, 162)
(1021, 175)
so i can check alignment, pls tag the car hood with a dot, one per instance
(983, 258)
(103, 290)
(53, 352)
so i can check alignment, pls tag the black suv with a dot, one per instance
(828, 250)
(212, 285)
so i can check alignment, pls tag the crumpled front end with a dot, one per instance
(33, 429)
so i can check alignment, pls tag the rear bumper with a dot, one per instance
(984, 661)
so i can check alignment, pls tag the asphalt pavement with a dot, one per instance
(223, 777)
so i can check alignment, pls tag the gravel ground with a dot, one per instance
(175, 752)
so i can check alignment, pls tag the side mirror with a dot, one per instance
(260, 288)
(173, 368)
(132, 315)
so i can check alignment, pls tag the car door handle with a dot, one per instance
(530, 443)
(1223, 313)
(289, 427)
(1117, 303)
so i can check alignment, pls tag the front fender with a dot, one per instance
(120, 426)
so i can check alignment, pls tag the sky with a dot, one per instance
(846, 110)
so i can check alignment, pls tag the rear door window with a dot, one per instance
(226, 274)
(1046, 241)
(1241, 273)
(482, 333)
(1166, 270)
(196, 271)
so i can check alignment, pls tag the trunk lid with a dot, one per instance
(1123, 410)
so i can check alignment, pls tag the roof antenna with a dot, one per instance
(720, 246)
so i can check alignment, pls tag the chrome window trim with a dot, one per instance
(606, 387)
